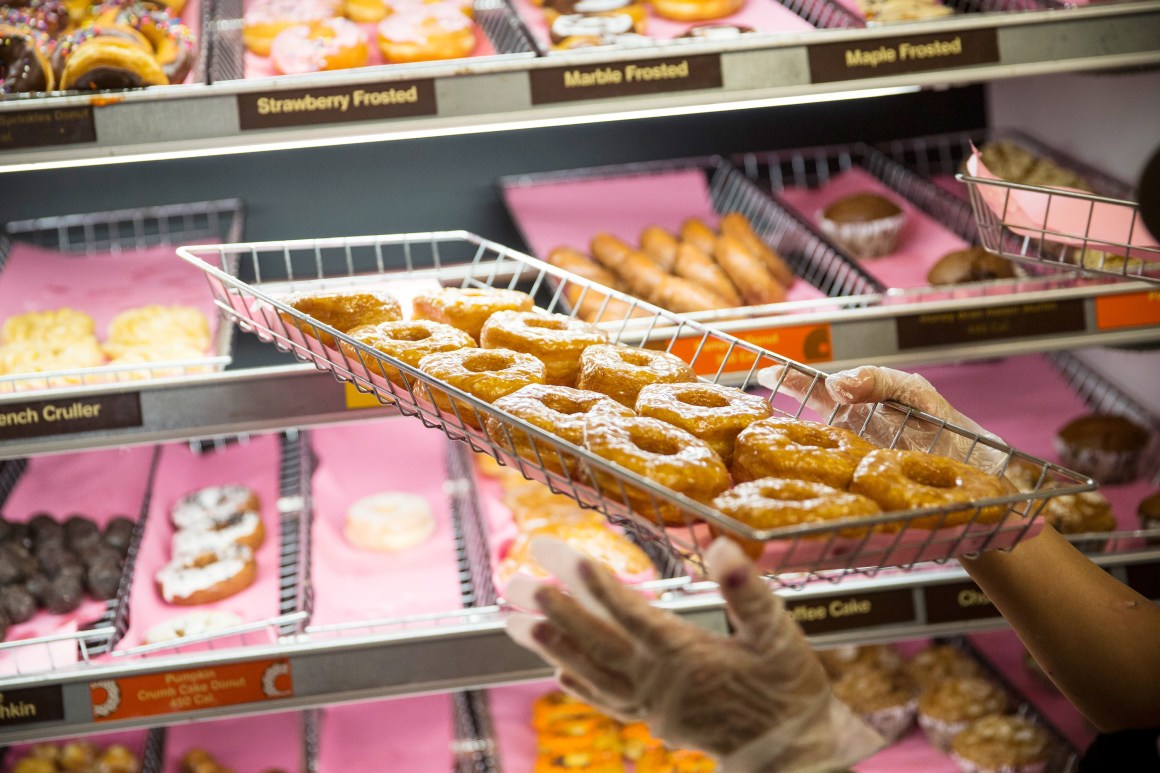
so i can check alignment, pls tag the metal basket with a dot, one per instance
(640, 505)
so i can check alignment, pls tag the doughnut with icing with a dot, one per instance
(196, 623)
(330, 44)
(804, 450)
(243, 528)
(172, 43)
(24, 66)
(389, 522)
(213, 507)
(711, 412)
(426, 33)
(190, 580)
(107, 62)
(408, 342)
(264, 19)
(555, 339)
(342, 311)
(59, 325)
(149, 325)
(488, 374)
(467, 308)
(621, 371)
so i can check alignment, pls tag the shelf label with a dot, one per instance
(803, 343)
(173, 692)
(1145, 579)
(356, 399)
(1017, 320)
(33, 704)
(625, 79)
(899, 55)
(39, 418)
(854, 610)
(336, 104)
(40, 128)
(957, 601)
(1128, 310)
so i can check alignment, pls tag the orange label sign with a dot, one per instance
(151, 695)
(1128, 310)
(803, 343)
(356, 399)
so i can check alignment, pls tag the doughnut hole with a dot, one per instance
(487, 374)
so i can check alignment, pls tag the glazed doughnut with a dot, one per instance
(559, 410)
(788, 448)
(621, 371)
(343, 311)
(910, 480)
(737, 226)
(213, 507)
(641, 275)
(577, 734)
(172, 43)
(243, 528)
(696, 266)
(716, 414)
(664, 760)
(54, 325)
(661, 246)
(771, 503)
(104, 61)
(426, 33)
(467, 308)
(555, 705)
(555, 339)
(752, 278)
(408, 342)
(24, 67)
(591, 304)
(636, 740)
(666, 455)
(488, 374)
(683, 296)
(264, 19)
(146, 326)
(190, 580)
(696, 232)
(586, 532)
(330, 44)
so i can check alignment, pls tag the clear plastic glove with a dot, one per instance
(848, 399)
(757, 700)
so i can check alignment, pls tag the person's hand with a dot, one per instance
(849, 399)
(758, 700)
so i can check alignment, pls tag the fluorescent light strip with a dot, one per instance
(514, 125)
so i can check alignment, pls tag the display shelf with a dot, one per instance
(512, 92)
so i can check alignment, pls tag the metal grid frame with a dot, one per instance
(227, 53)
(116, 231)
(639, 504)
(809, 256)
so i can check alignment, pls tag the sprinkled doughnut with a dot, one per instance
(557, 409)
(48, 17)
(771, 503)
(23, 65)
(910, 480)
(342, 311)
(714, 413)
(213, 507)
(173, 44)
(100, 58)
(788, 448)
(489, 374)
(190, 580)
(468, 308)
(407, 342)
(670, 457)
(621, 371)
(557, 340)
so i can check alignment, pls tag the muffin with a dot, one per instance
(866, 225)
(1085, 513)
(936, 664)
(841, 659)
(884, 699)
(1149, 512)
(998, 744)
(951, 705)
(1104, 446)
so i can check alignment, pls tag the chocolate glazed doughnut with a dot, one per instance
(23, 65)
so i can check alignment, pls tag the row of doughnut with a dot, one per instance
(48, 45)
(314, 35)
(642, 409)
(584, 23)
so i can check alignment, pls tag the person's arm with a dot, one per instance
(1096, 638)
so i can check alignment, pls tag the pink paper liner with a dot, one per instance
(409, 734)
(254, 463)
(1030, 212)
(910, 754)
(922, 241)
(244, 744)
(951, 185)
(355, 461)
(255, 66)
(134, 740)
(762, 15)
(570, 213)
(97, 484)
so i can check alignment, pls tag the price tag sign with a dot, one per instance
(993, 323)
(30, 705)
(40, 128)
(173, 692)
(854, 610)
(1129, 310)
(625, 79)
(40, 418)
(336, 104)
(803, 343)
(900, 55)
(356, 399)
(957, 601)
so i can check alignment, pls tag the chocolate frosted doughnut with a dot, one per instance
(48, 17)
(973, 264)
(23, 65)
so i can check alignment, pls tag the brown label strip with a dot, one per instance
(39, 418)
(853, 610)
(1017, 320)
(337, 104)
(957, 601)
(34, 704)
(625, 79)
(898, 55)
(41, 128)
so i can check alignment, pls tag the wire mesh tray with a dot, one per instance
(462, 259)
(124, 231)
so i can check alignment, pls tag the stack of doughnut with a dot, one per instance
(301, 36)
(646, 411)
(698, 269)
(218, 531)
(48, 45)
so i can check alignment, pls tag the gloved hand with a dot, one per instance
(757, 700)
(848, 399)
